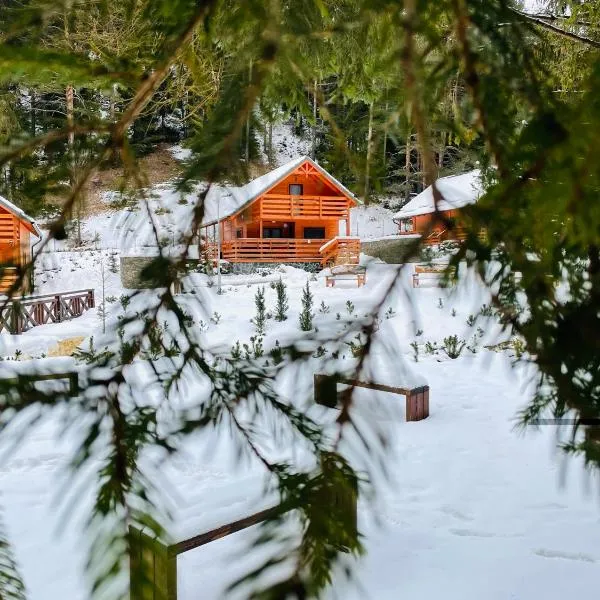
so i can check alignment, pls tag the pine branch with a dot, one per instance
(542, 22)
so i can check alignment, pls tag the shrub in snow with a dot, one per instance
(236, 351)
(323, 309)
(261, 314)
(254, 349)
(306, 316)
(453, 346)
(389, 313)
(470, 320)
(282, 301)
(415, 348)
(113, 265)
(319, 352)
(349, 307)
(486, 311)
(357, 348)
(277, 353)
(431, 348)
(216, 318)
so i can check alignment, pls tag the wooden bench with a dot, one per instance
(427, 272)
(346, 273)
(417, 398)
(26, 381)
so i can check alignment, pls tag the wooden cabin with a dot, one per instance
(297, 213)
(16, 231)
(417, 216)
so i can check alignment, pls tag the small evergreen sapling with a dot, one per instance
(261, 314)
(306, 316)
(282, 301)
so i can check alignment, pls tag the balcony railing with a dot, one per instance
(283, 206)
(272, 250)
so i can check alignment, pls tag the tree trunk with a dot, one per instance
(369, 151)
(407, 163)
(247, 153)
(385, 133)
(271, 150)
(314, 136)
(69, 94)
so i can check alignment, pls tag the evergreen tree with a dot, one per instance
(282, 301)
(306, 315)
(260, 320)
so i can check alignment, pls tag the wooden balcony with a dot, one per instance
(281, 207)
(249, 250)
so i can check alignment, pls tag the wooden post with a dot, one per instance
(417, 404)
(152, 569)
(91, 302)
(348, 222)
(325, 390)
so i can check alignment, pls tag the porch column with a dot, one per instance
(348, 222)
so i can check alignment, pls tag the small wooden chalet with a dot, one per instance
(297, 213)
(16, 231)
(458, 191)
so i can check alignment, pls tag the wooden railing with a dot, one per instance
(341, 251)
(272, 250)
(20, 314)
(283, 206)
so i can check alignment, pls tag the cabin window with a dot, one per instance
(239, 233)
(272, 232)
(296, 189)
(407, 225)
(314, 233)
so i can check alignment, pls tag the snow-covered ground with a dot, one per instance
(472, 508)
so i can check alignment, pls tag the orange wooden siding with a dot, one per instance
(320, 206)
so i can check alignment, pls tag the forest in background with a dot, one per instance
(353, 111)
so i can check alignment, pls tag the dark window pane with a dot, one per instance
(314, 233)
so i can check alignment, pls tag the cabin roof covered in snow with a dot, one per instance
(234, 199)
(457, 191)
(15, 210)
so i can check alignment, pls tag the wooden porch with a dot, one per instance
(283, 250)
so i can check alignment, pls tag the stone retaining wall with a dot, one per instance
(394, 251)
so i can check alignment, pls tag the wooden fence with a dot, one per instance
(20, 314)
(153, 564)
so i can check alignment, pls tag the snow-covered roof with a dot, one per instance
(15, 210)
(234, 199)
(457, 191)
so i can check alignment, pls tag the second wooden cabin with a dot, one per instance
(297, 213)
(417, 216)
(16, 231)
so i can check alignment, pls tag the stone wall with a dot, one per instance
(132, 268)
(394, 251)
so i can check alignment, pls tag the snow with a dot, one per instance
(457, 191)
(470, 508)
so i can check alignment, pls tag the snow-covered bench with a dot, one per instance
(346, 273)
(326, 394)
(428, 272)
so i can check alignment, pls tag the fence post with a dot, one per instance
(152, 568)
(58, 308)
(91, 302)
(15, 318)
(325, 390)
